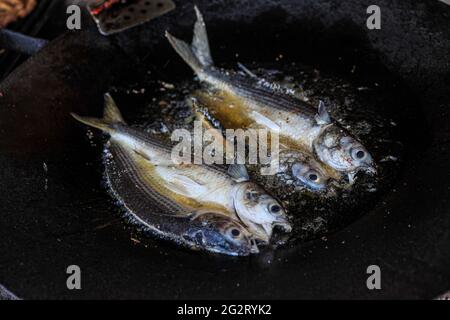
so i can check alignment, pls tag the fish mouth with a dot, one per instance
(285, 226)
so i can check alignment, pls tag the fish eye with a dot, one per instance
(358, 154)
(275, 208)
(313, 177)
(235, 233)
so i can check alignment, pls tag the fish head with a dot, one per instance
(256, 207)
(309, 175)
(219, 233)
(342, 152)
(304, 169)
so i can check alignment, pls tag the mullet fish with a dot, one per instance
(204, 207)
(253, 101)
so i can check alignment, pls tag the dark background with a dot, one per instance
(51, 218)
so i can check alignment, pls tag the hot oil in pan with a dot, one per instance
(337, 66)
(164, 107)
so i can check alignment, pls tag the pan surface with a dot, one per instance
(55, 213)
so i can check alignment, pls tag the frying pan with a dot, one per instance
(54, 212)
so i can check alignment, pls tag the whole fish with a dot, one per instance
(233, 210)
(254, 101)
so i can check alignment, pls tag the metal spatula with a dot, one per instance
(114, 16)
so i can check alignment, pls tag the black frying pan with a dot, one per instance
(54, 212)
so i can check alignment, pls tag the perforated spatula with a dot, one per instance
(114, 16)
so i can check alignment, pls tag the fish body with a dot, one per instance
(253, 102)
(189, 192)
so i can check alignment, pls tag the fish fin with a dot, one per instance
(92, 122)
(197, 55)
(238, 172)
(322, 116)
(133, 180)
(200, 42)
(266, 122)
(111, 115)
(246, 70)
(185, 185)
(185, 52)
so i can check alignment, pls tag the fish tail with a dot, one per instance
(111, 116)
(111, 112)
(197, 55)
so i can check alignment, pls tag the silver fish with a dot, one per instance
(198, 195)
(298, 123)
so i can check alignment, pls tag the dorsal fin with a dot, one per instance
(238, 172)
(322, 116)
